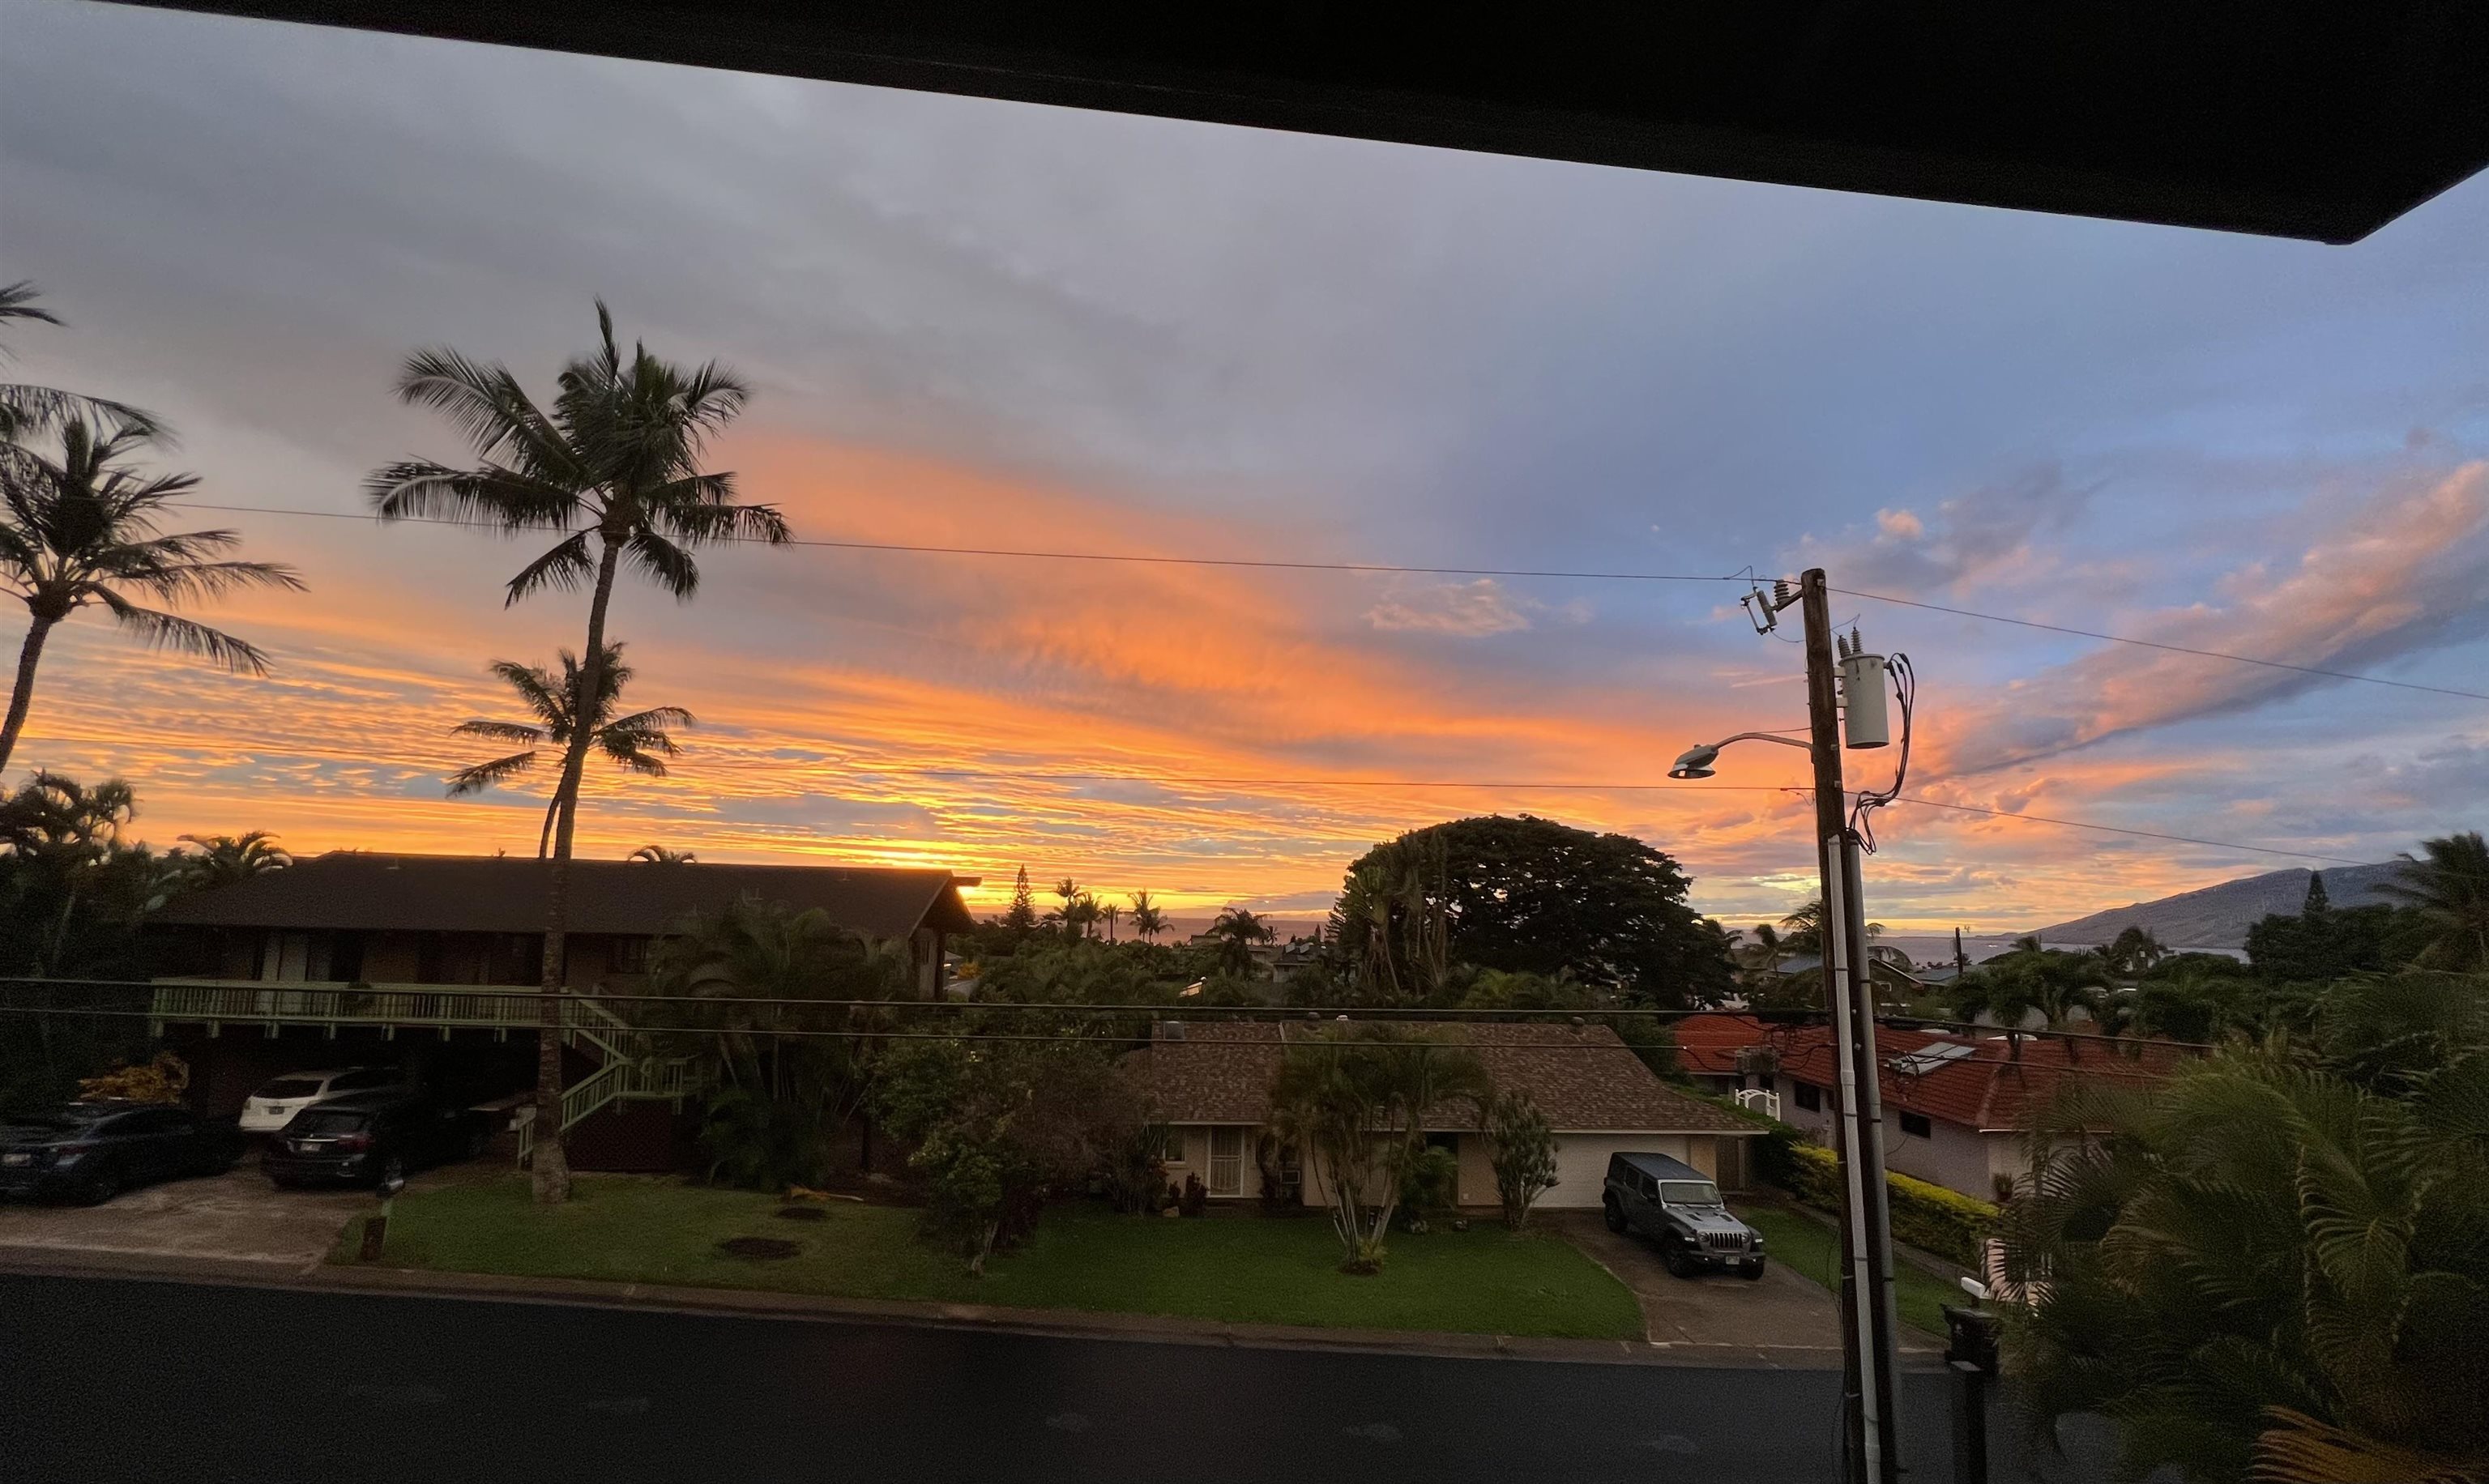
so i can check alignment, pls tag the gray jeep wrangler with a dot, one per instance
(1676, 1206)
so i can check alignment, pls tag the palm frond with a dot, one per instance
(419, 489)
(565, 567)
(499, 731)
(170, 631)
(484, 775)
(663, 562)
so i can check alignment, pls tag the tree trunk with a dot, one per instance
(551, 1166)
(30, 654)
(544, 837)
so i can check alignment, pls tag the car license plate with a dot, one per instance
(17, 1157)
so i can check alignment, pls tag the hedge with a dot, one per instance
(1930, 1217)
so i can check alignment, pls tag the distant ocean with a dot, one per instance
(1936, 948)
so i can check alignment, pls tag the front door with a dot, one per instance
(1227, 1161)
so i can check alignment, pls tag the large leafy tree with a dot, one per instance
(1529, 893)
(2273, 1263)
(637, 743)
(1236, 930)
(79, 529)
(2447, 884)
(614, 466)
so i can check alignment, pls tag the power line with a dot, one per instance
(1406, 569)
(2116, 829)
(2153, 643)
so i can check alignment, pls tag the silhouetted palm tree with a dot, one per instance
(2449, 886)
(639, 743)
(79, 529)
(27, 411)
(225, 859)
(1148, 921)
(616, 466)
(1236, 932)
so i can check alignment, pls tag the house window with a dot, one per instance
(627, 955)
(1173, 1153)
(1809, 1095)
(1916, 1126)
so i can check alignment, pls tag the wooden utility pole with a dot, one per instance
(1867, 1313)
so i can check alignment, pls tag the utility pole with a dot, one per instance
(1867, 1313)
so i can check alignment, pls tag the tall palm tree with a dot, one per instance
(1236, 932)
(26, 410)
(1148, 921)
(637, 743)
(225, 859)
(1110, 914)
(2449, 884)
(1767, 950)
(615, 466)
(78, 530)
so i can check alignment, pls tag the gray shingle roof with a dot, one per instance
(1585, 1081)
(494, 894)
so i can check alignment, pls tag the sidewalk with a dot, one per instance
(318, 1276)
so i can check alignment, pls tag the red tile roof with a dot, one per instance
(1584, 1080)
(1988, 1085)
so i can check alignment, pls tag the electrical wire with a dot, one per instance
(1906, 689)
(1409, 569)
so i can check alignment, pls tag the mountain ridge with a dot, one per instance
(2218, 916)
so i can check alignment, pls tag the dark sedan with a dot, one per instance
(91, 1152)
(368, 1138)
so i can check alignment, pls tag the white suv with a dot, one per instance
(269, 1109)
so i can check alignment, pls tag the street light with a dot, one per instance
(1835, 666)
(1696, 762)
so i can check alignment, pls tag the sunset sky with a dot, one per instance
(972, 323)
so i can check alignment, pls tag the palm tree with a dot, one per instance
(25, 410)
(615, 464)
(1111, 914)
(1148, 921)
(659, 855)
(80, 530)
(1236, 932)
(637, 743)
(1806, 930)
(225, 859)
(2261, 1270)
(2449, 886)
(1348, 1096)
(1768, 949)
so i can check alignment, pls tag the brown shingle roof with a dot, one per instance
(348, 889)
(1585, 1081)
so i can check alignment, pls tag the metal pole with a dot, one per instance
(1866, 1335)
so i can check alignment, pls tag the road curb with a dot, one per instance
(749, 1303)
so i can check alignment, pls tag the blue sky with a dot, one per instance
(976, 323)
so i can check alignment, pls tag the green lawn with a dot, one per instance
(1242, 1269)
(1812, 1248)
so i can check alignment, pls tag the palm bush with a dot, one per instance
(2269, 1266)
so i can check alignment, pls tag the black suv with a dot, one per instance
(1678, 1205)
(369, 1138)
(91, 1152)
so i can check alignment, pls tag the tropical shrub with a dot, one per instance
(1354, 1100)
(1430, 1186)
(1926, 1216)
(1523, 1149)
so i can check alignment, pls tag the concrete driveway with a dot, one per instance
(237, 1217)
(1780, 1319)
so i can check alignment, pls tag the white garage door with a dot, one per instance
(1582, 1163)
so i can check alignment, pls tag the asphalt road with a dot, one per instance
(105, 1379)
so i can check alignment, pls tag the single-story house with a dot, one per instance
(1211, 1085)
(1956, 1106)
(428, 964)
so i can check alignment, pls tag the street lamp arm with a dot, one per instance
(1696, 762)
(1762, 736)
